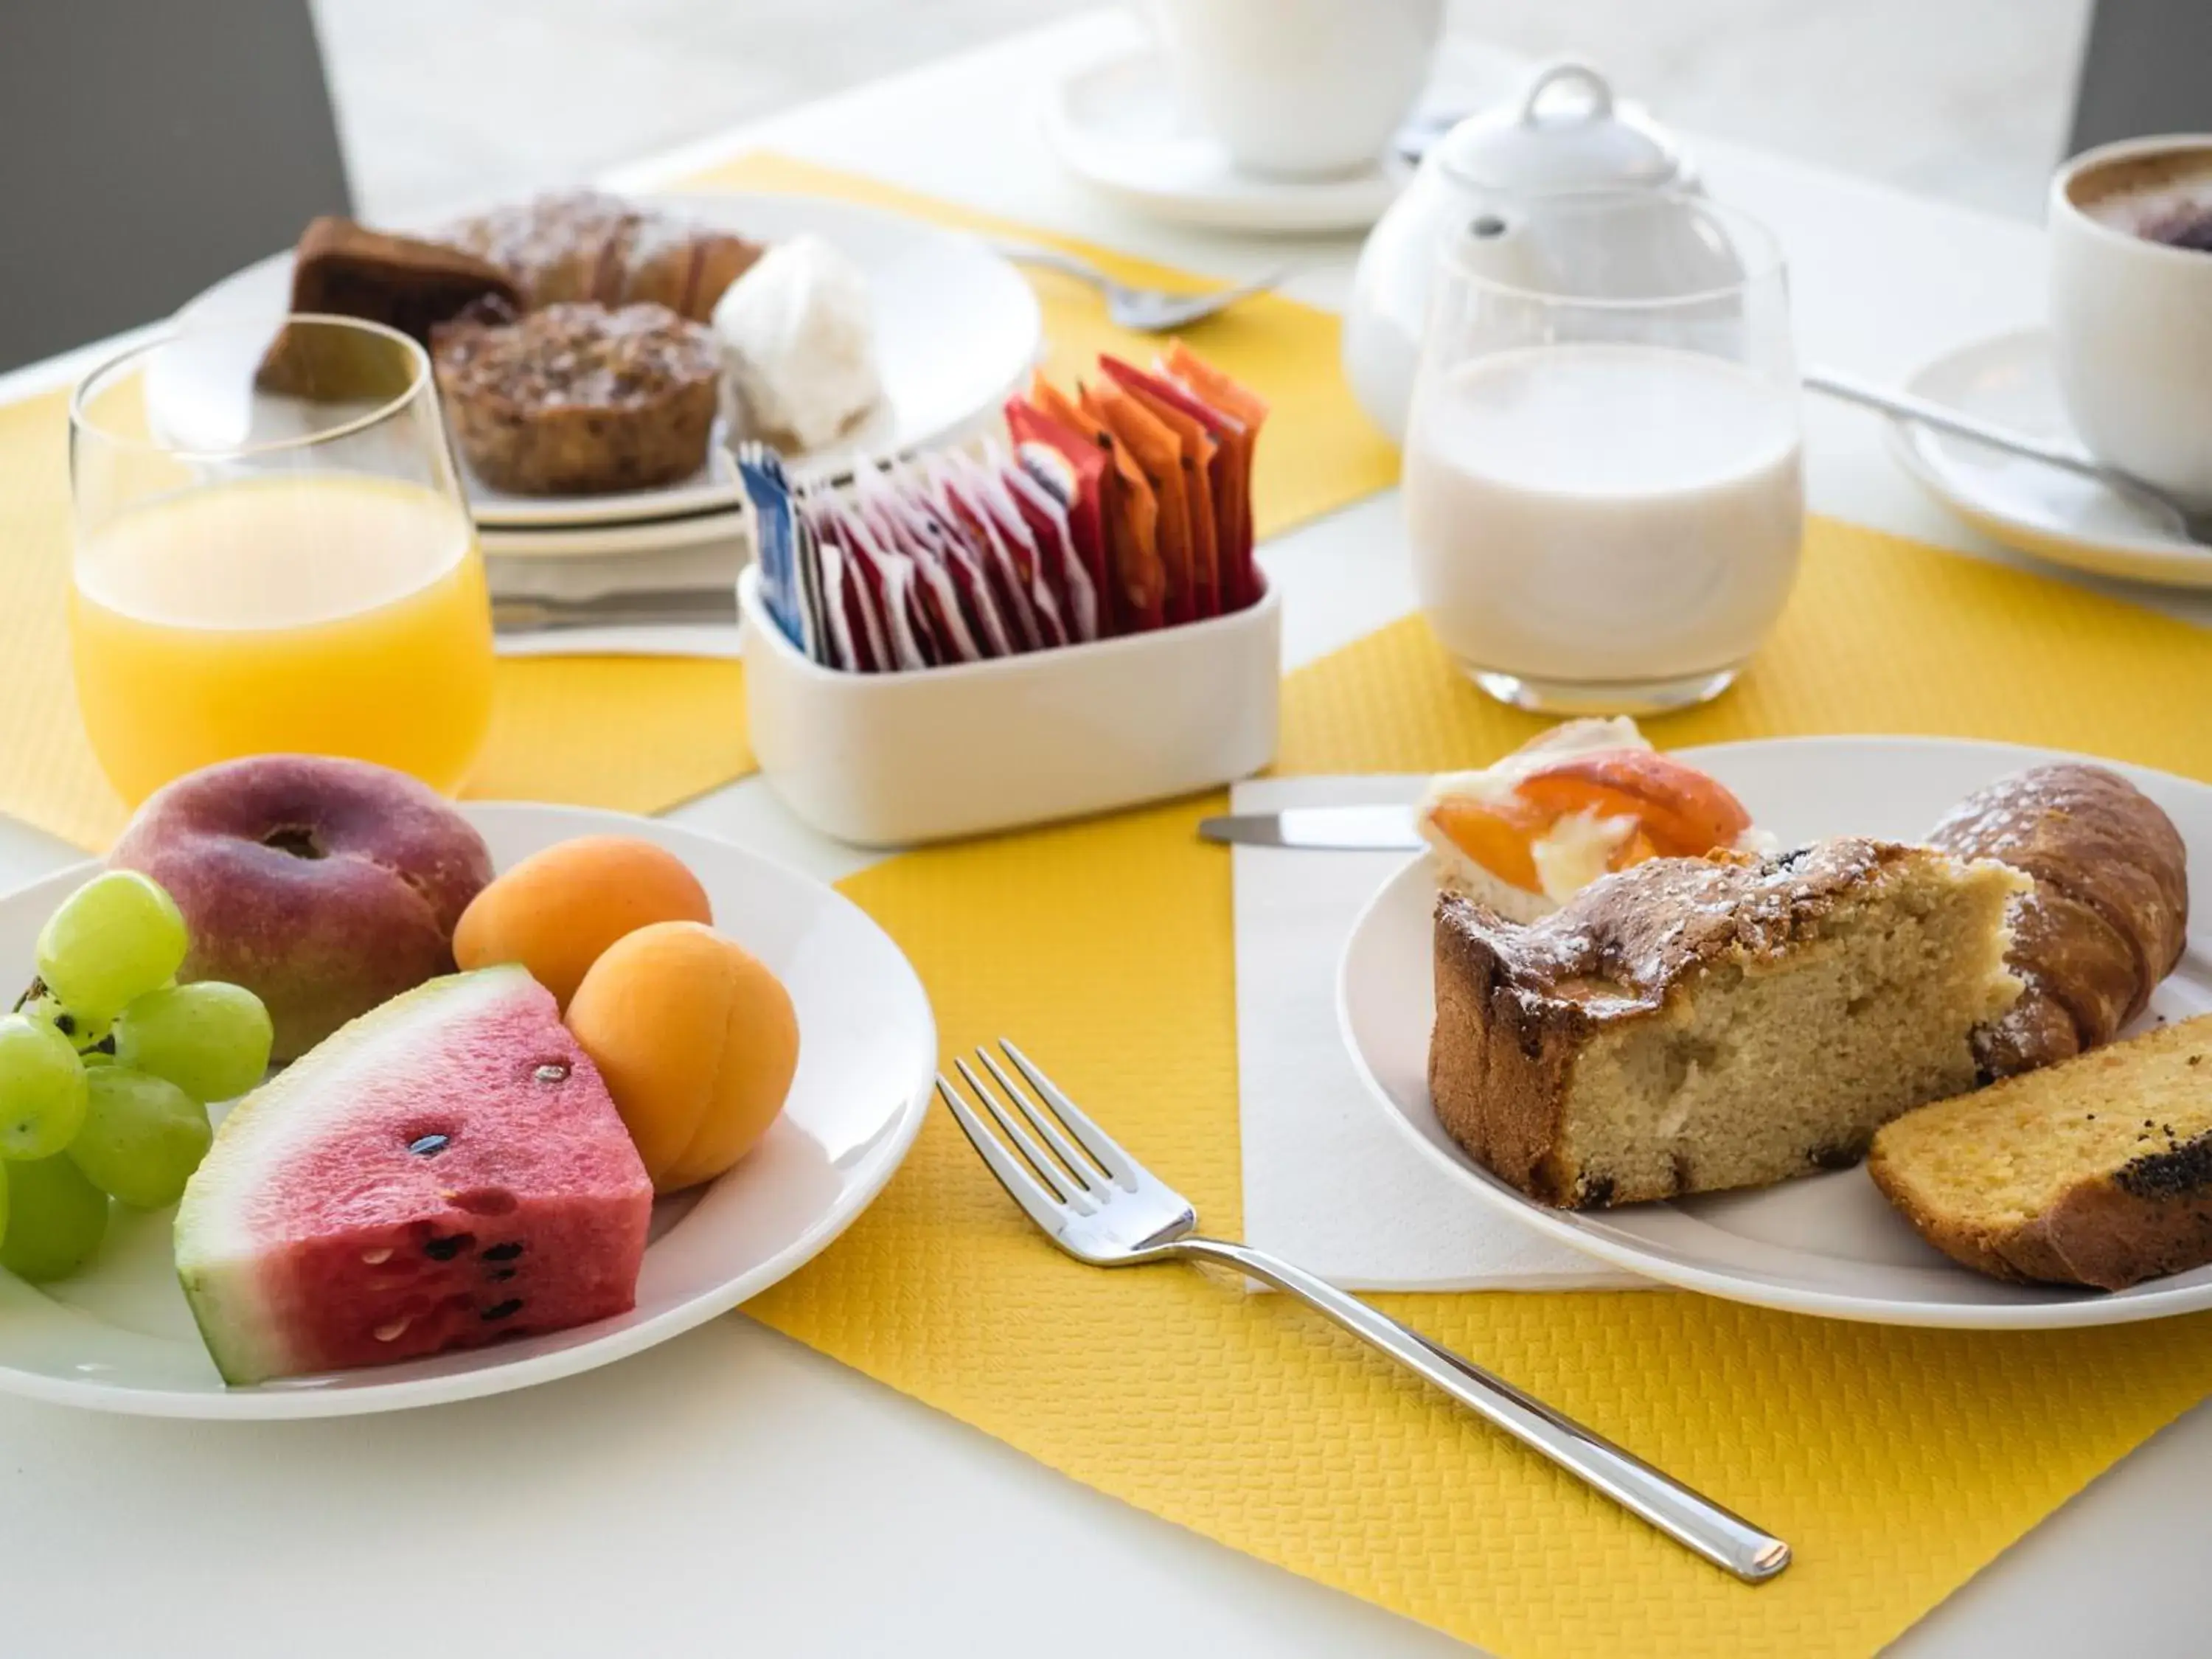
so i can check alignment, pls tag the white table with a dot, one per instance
(733, 1492)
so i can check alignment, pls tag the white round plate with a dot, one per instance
(2070, 520)
(1118, 126)
(1825, 1244)
(117, 1336)
(599, 541)
(958, 330)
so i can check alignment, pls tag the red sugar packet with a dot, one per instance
(963, 560)
(957, 493)
(982, 482)
(1047, 524)
(1082, 493)
(1048, 470)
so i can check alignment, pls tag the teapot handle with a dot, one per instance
(1569, 71)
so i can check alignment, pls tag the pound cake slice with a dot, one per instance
(2097, 1170)
(1691, 1024)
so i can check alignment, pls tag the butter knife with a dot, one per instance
(1319, 828)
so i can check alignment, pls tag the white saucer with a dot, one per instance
(1824, 1244)
(116, 1335)
(2041, 510)
(958, 330)
(1116, 126)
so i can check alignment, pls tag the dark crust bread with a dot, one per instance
(350, 269)
(1516, 1003)
(576, 399)
(585, 245)
(2106, 920)
(2151, 1217)
(345, 270)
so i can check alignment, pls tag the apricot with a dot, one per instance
(697, 1042)
(558, 910)
(1685, 813)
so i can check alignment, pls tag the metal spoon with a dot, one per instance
(2175, 519)
(1145, 310)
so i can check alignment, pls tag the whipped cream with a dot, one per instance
(797, 333)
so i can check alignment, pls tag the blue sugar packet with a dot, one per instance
(779, 535)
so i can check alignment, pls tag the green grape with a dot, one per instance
(46, 1008)
(116, 937)
(143, 1137)
(55, 1218)
(41, 1089)
(211, 1040)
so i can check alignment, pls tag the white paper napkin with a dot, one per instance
(1329, 1182)
(710, 564)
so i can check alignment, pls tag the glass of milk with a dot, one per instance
(1603, 479)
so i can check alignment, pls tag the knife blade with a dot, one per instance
(1319, 828)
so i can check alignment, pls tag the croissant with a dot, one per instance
(2107, 917)
(584, 245)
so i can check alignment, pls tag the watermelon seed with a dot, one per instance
(505, 1252)
(429, 1146)
(446, 1249)
(502, 1310)
(390, 1332)
(376, 1258)
(500, 1275)
(551, 1071)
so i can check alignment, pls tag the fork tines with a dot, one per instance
(1084, 1161)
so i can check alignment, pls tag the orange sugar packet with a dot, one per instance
(1247, 409)
(1138, 592)
(1158, 454)
(1174, 409)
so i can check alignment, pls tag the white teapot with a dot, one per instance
(1467, 187)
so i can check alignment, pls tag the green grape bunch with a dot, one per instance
(106, 1069)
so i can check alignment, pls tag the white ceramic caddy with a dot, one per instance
(890, 760)
(1825, 1244)
(958, 330)
(118, 1336)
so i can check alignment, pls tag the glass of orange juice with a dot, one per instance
(273, 554)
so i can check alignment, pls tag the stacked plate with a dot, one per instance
(957, 330)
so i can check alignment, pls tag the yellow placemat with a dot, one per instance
(1897, 1461)
(643, 733)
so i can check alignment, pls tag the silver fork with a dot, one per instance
(1145, 310)
(1102, 1206)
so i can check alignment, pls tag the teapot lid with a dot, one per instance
(1540, 144)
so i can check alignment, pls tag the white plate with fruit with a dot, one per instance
(479, 1182)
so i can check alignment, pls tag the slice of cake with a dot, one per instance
(1690, 1025)
(2097, 1170)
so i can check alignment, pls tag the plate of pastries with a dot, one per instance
(1913, 1030)
(597, 355)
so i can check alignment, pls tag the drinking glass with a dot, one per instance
(272, 554)
(1603, 479)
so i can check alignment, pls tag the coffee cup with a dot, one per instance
(1299, 88)
(2131, 230)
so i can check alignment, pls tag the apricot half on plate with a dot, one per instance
(697, 1042)
(559, 909)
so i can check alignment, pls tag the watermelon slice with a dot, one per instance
(445, 1171)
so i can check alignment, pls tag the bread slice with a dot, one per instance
(1691, 1024)
(2097, 1170)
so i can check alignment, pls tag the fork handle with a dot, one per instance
(1725, 1539)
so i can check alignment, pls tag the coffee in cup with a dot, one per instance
(2132, 307)
(2165, 197)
